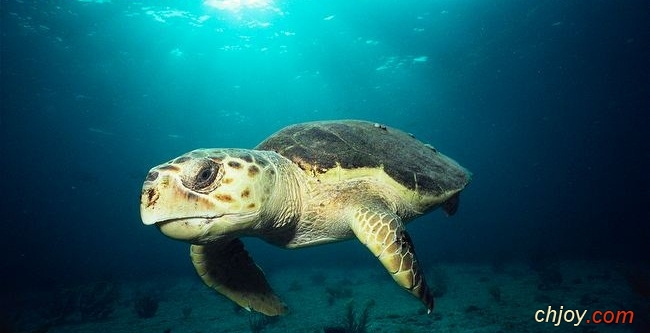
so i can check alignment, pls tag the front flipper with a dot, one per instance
(383, 233)
(228, 269)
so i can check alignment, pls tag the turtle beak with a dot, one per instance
(148, 199)
(164, 200)
(178, 212)
(158, 207)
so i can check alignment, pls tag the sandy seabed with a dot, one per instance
(475, 298)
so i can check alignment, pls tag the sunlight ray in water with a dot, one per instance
(238, 5)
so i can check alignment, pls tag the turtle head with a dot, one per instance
(207, 194)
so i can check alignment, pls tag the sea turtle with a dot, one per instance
(307, 184)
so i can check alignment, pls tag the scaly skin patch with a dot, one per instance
(383, 233)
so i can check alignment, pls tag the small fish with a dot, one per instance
(421, 59)
(99, 131)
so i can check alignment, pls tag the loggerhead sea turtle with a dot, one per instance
(307, 184)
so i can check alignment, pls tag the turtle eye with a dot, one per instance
(202, 179)
(205, 176)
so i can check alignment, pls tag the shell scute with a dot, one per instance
(351, 144)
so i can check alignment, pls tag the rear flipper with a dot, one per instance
(451, 205)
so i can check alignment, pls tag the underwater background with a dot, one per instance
(545, 102)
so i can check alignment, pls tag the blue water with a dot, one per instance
(546, 102)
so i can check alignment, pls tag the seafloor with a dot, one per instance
(470, 298)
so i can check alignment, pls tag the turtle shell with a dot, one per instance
(319, 146)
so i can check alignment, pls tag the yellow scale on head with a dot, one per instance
(240, 187)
